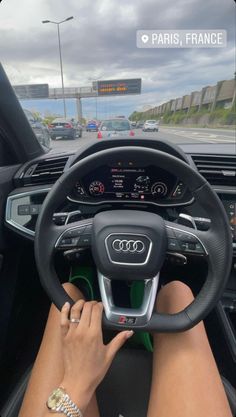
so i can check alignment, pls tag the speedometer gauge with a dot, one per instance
(96, 188)
(159, 189)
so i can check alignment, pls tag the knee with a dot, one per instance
(73, 291)
(173, 297)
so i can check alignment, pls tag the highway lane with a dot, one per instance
(175, 135)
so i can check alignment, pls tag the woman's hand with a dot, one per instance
(86, 358)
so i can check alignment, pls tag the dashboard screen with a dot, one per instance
(130, 183)
(230, 207)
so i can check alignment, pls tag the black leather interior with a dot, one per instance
(124, 392)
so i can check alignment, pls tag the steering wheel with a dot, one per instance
(132, 244)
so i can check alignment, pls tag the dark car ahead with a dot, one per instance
(64, 128)
(92, 126)
(41, 131)
(139, 125)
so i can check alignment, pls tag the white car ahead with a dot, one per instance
(151, 126)
(115, 128)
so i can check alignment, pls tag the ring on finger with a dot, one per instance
(73, 320)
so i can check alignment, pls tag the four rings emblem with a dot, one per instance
(131, 246)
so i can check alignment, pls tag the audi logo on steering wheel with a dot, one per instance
(131, 246)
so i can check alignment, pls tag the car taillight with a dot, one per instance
(99, 135)
(131, 133)
(50, 126)
(68, 125)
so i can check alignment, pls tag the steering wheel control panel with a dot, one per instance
(183, 242)
(129, 182)
(179, 241)
(75, 237)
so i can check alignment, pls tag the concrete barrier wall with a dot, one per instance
(223, 94)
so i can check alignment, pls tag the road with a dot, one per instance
(173, 134)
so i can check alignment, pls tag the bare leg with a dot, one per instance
(185, 381)
(48, 368)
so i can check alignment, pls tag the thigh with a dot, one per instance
(185, 381)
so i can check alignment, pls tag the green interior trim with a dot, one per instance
(84, 275)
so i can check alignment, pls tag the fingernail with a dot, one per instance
(129, 334)
(67, 305)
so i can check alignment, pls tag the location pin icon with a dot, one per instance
(145, 38)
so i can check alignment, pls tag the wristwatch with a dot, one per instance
(60, 402)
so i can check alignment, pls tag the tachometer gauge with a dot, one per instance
(159, 189)
(96, 188)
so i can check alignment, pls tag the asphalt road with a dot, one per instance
(175, 135)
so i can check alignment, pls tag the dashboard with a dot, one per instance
(126, 184)
(128, 181)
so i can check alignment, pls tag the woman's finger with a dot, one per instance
(96, 318)
(118, 342)
(85, 318)
(64, 318)
(76, 309)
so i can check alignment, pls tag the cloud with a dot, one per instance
(101, 43)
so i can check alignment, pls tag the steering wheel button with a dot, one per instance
(199, 248)
(173, 244)
(85, 240)
(184, 246)
(185, 237)
(75, 232)
(192, 246)
(65, 241)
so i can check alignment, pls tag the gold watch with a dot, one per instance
(60, 402)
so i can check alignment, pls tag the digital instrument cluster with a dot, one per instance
(130, 183)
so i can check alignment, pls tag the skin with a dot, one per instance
(185, 379)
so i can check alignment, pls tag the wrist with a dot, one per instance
(80, 395)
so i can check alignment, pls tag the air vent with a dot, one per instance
(45, 172)
(217, 169)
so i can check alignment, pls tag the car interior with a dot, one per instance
(119, 218)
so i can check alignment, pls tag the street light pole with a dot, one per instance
(62, 77)
(60, 55)
(96, 98)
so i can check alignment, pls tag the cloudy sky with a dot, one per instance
(100, 43)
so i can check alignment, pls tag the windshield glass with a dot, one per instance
(90, 61)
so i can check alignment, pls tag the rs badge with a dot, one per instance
(127, 320)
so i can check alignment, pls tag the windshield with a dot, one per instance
(117, 125)
(94, 63)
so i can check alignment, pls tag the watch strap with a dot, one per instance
(69, 408)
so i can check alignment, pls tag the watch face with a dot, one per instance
(56, 398)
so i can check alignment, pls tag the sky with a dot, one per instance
(100, 43)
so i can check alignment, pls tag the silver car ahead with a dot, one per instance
(115, 128)
(151, 126)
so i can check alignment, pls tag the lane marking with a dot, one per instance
(207, 137)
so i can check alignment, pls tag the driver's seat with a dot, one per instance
(123, 393)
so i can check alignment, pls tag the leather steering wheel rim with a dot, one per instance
(217, 240)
